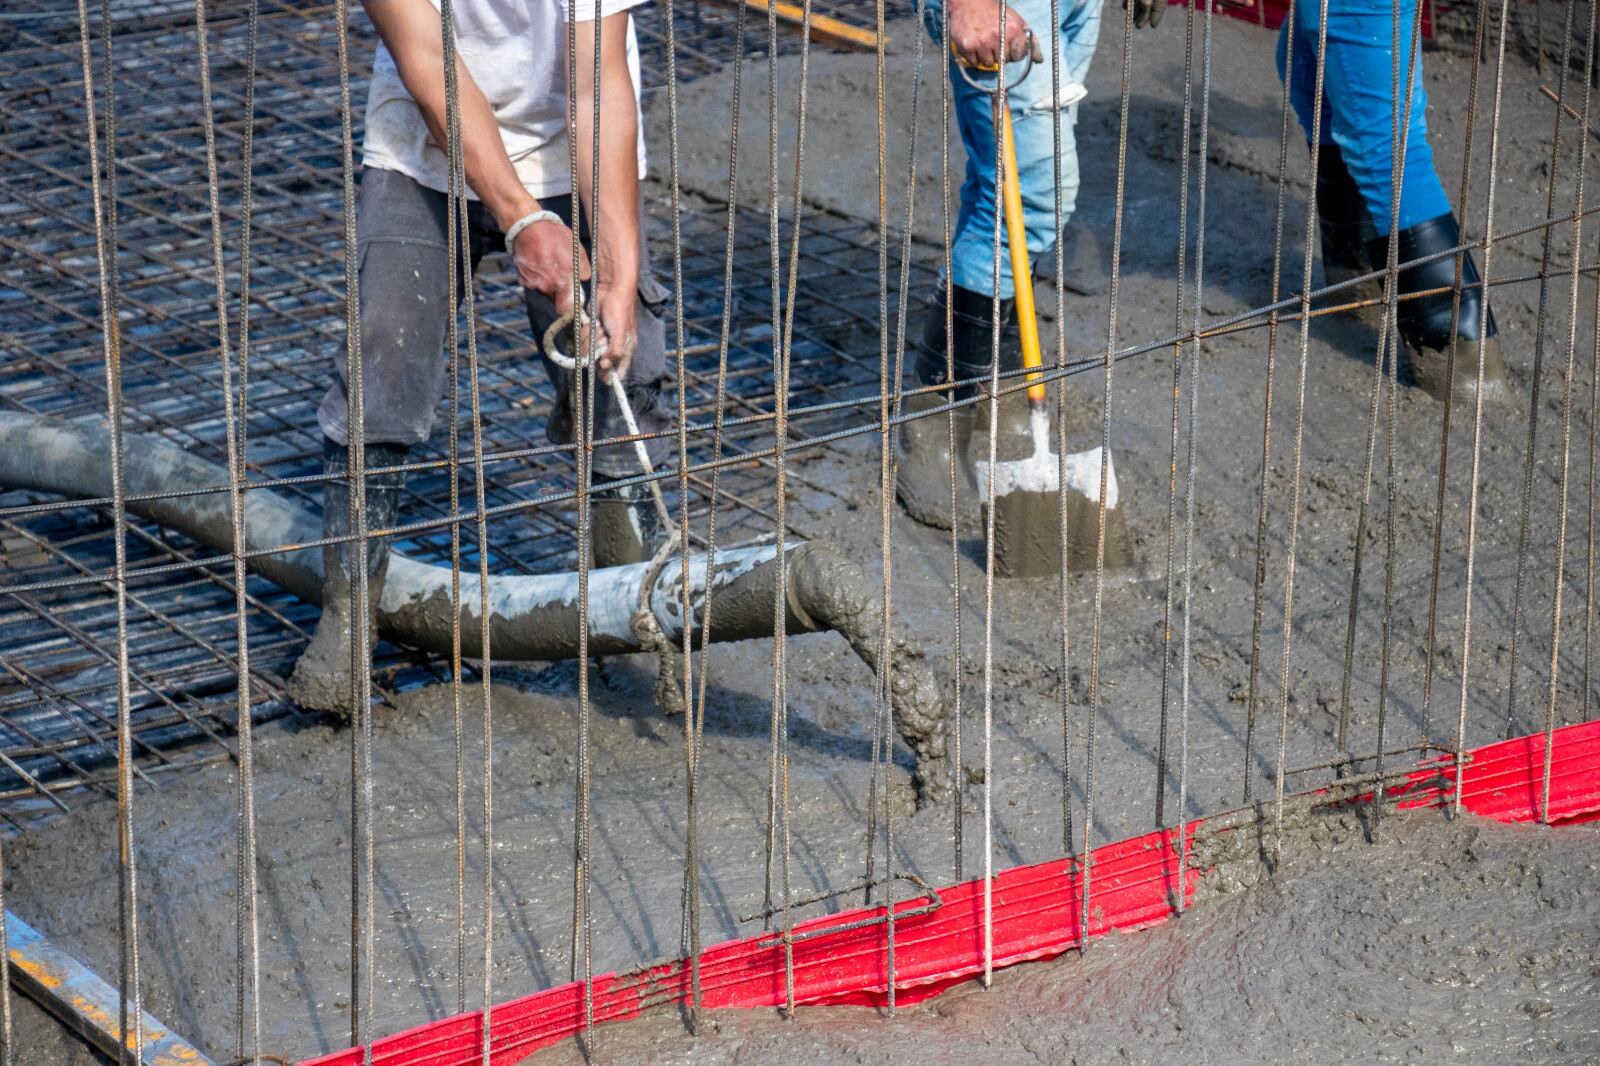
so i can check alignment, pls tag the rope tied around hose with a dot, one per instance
(644, 624)
(647, 629)
(574, 363)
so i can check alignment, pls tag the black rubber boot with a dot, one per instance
(322, 678)
(627, 526)
(1346, 228)
(1425, 323)
(922, 474)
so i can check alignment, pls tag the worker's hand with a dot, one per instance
(544, 262)
(975, 34)
(1146, 12)
(616, 314)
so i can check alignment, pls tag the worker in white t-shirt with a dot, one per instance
(512, 73)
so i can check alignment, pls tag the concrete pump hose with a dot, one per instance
(532, 617)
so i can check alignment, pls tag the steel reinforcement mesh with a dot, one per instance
(58, 665)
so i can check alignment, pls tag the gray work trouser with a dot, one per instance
(405, 318)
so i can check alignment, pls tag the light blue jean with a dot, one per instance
(1032, 111)
(1358, 102)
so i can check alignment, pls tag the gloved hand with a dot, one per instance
(1146, 12)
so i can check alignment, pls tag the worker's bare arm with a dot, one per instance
(411, 31)
(617, 231)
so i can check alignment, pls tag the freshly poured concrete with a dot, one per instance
(1444, 942)
(1331, 958)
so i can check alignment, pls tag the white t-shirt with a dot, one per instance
(516, 51)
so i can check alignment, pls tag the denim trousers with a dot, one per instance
(1360, 98)
(1034, 119)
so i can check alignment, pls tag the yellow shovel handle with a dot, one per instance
(1021, 273)
(1016, 236)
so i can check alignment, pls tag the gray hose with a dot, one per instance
(532, 617)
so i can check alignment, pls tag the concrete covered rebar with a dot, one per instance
(531, 617)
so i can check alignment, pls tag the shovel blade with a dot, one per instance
(1027, 534)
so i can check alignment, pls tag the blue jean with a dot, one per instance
(1032, 111)
(1358, 102)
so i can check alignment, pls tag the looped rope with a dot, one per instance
(643, 622)
(597, 348)
(552, 339)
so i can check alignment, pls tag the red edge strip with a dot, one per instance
(1036, 912)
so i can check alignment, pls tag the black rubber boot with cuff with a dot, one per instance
(1345, 228)
(323, 678)
(1426, 324)
(922, 474)
(627, 527)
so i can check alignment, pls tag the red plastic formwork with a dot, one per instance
(1036, 909)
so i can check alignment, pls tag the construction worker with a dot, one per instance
(512, 75)
(923, 477)
(1355, 180)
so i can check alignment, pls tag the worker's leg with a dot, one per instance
(957, 332)
(1037, 112)
(1361, 99)
(957, 343)
(1302, 79)
(1343, 223)
(1035, 116)
(627, 526)
(975, 252)
(405, 308)
(405, 311)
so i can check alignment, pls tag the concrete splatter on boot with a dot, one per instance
(922, 470)
(924, 456)
(627, 527)
(1426, 324)
(323, 678)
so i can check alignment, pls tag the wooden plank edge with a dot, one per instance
(824, 29)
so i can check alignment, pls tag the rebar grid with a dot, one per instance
(59, 735)
(845, 288)
(56, 699)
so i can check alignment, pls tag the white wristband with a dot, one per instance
(523, 223)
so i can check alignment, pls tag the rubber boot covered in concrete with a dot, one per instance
(1429, 325)
(323, 678)
(923, 466)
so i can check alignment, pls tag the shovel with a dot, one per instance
(1027, 489)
